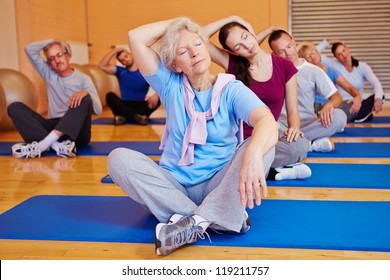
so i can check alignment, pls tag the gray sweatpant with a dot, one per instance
(290, 152)
(313, 129)
(216, 200)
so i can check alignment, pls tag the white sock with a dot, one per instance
(200, 221)
(46, 142)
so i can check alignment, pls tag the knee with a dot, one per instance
(340, 118)
(87, 100)
(300, 149)
(110, 96)
(14, 107)
(119, 159)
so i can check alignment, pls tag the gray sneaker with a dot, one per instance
(175, 234)
(26, 150)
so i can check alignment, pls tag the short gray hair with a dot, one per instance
(64, 46)
(168, 43)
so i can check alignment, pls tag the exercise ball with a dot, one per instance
(15, 87)
(104, 82)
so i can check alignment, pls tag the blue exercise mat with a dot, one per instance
(101, 148)
(364, 132)
(378, 120)
(356, 150)
(111, 121)
(336, 175)
(335, 225)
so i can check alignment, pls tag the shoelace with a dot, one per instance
(31, 150)
(190, 235)
(64, 149)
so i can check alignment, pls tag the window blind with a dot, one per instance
(363, 25)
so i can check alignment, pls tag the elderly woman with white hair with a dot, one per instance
(205, 177)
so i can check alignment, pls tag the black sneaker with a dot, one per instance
(119, 120)
(367, 118)
(141, 119)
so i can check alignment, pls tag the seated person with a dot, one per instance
(72, 99)
(273, 79)
(351, 106)
(204, 178)
(357, 73)
(311, 79)
(132, 106)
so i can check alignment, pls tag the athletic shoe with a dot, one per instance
(246, 225)
(366, 118)
(119, 120)
(324, 145)
(298, 171)
(141, 119)
(173, 235)
(26, 150)
(65, 149)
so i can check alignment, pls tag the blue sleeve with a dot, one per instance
(243, 100)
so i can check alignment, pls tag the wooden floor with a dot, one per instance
(22, 179)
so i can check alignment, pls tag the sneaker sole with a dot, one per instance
(157, 241)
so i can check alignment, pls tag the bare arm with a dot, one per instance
(260, 37)
(348, 87)
(141, 40)
(105, 63)
(326, 113)
(252, 175)
(293, 119)
(219, 55)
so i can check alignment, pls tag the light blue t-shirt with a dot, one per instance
(333, 74)
(237, 102)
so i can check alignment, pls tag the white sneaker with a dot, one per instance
(298, 171)
(324, 145)
(26, 150)
(65, 148)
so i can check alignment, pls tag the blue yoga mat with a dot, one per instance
(100, 148)
(364, 132)
(356, 150)
(111, 121)
(336, 175)
(376, 119)
(336, 225)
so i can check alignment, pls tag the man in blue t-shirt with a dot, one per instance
(133, 106)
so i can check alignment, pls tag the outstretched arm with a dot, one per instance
(294, 122)
(141, 40)
(252, 175)
(326, 113)
(356, 99)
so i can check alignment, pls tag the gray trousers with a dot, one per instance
(290, 152)
(216, 200)
(313, 129)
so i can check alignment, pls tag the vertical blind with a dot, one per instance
(364, 26)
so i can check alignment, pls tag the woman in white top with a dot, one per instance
(356, 72)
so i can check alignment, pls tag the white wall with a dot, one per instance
(8, 38)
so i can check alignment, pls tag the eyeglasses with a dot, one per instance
(58, 55)
(308, 55)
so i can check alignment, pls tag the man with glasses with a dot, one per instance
(72, 99)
